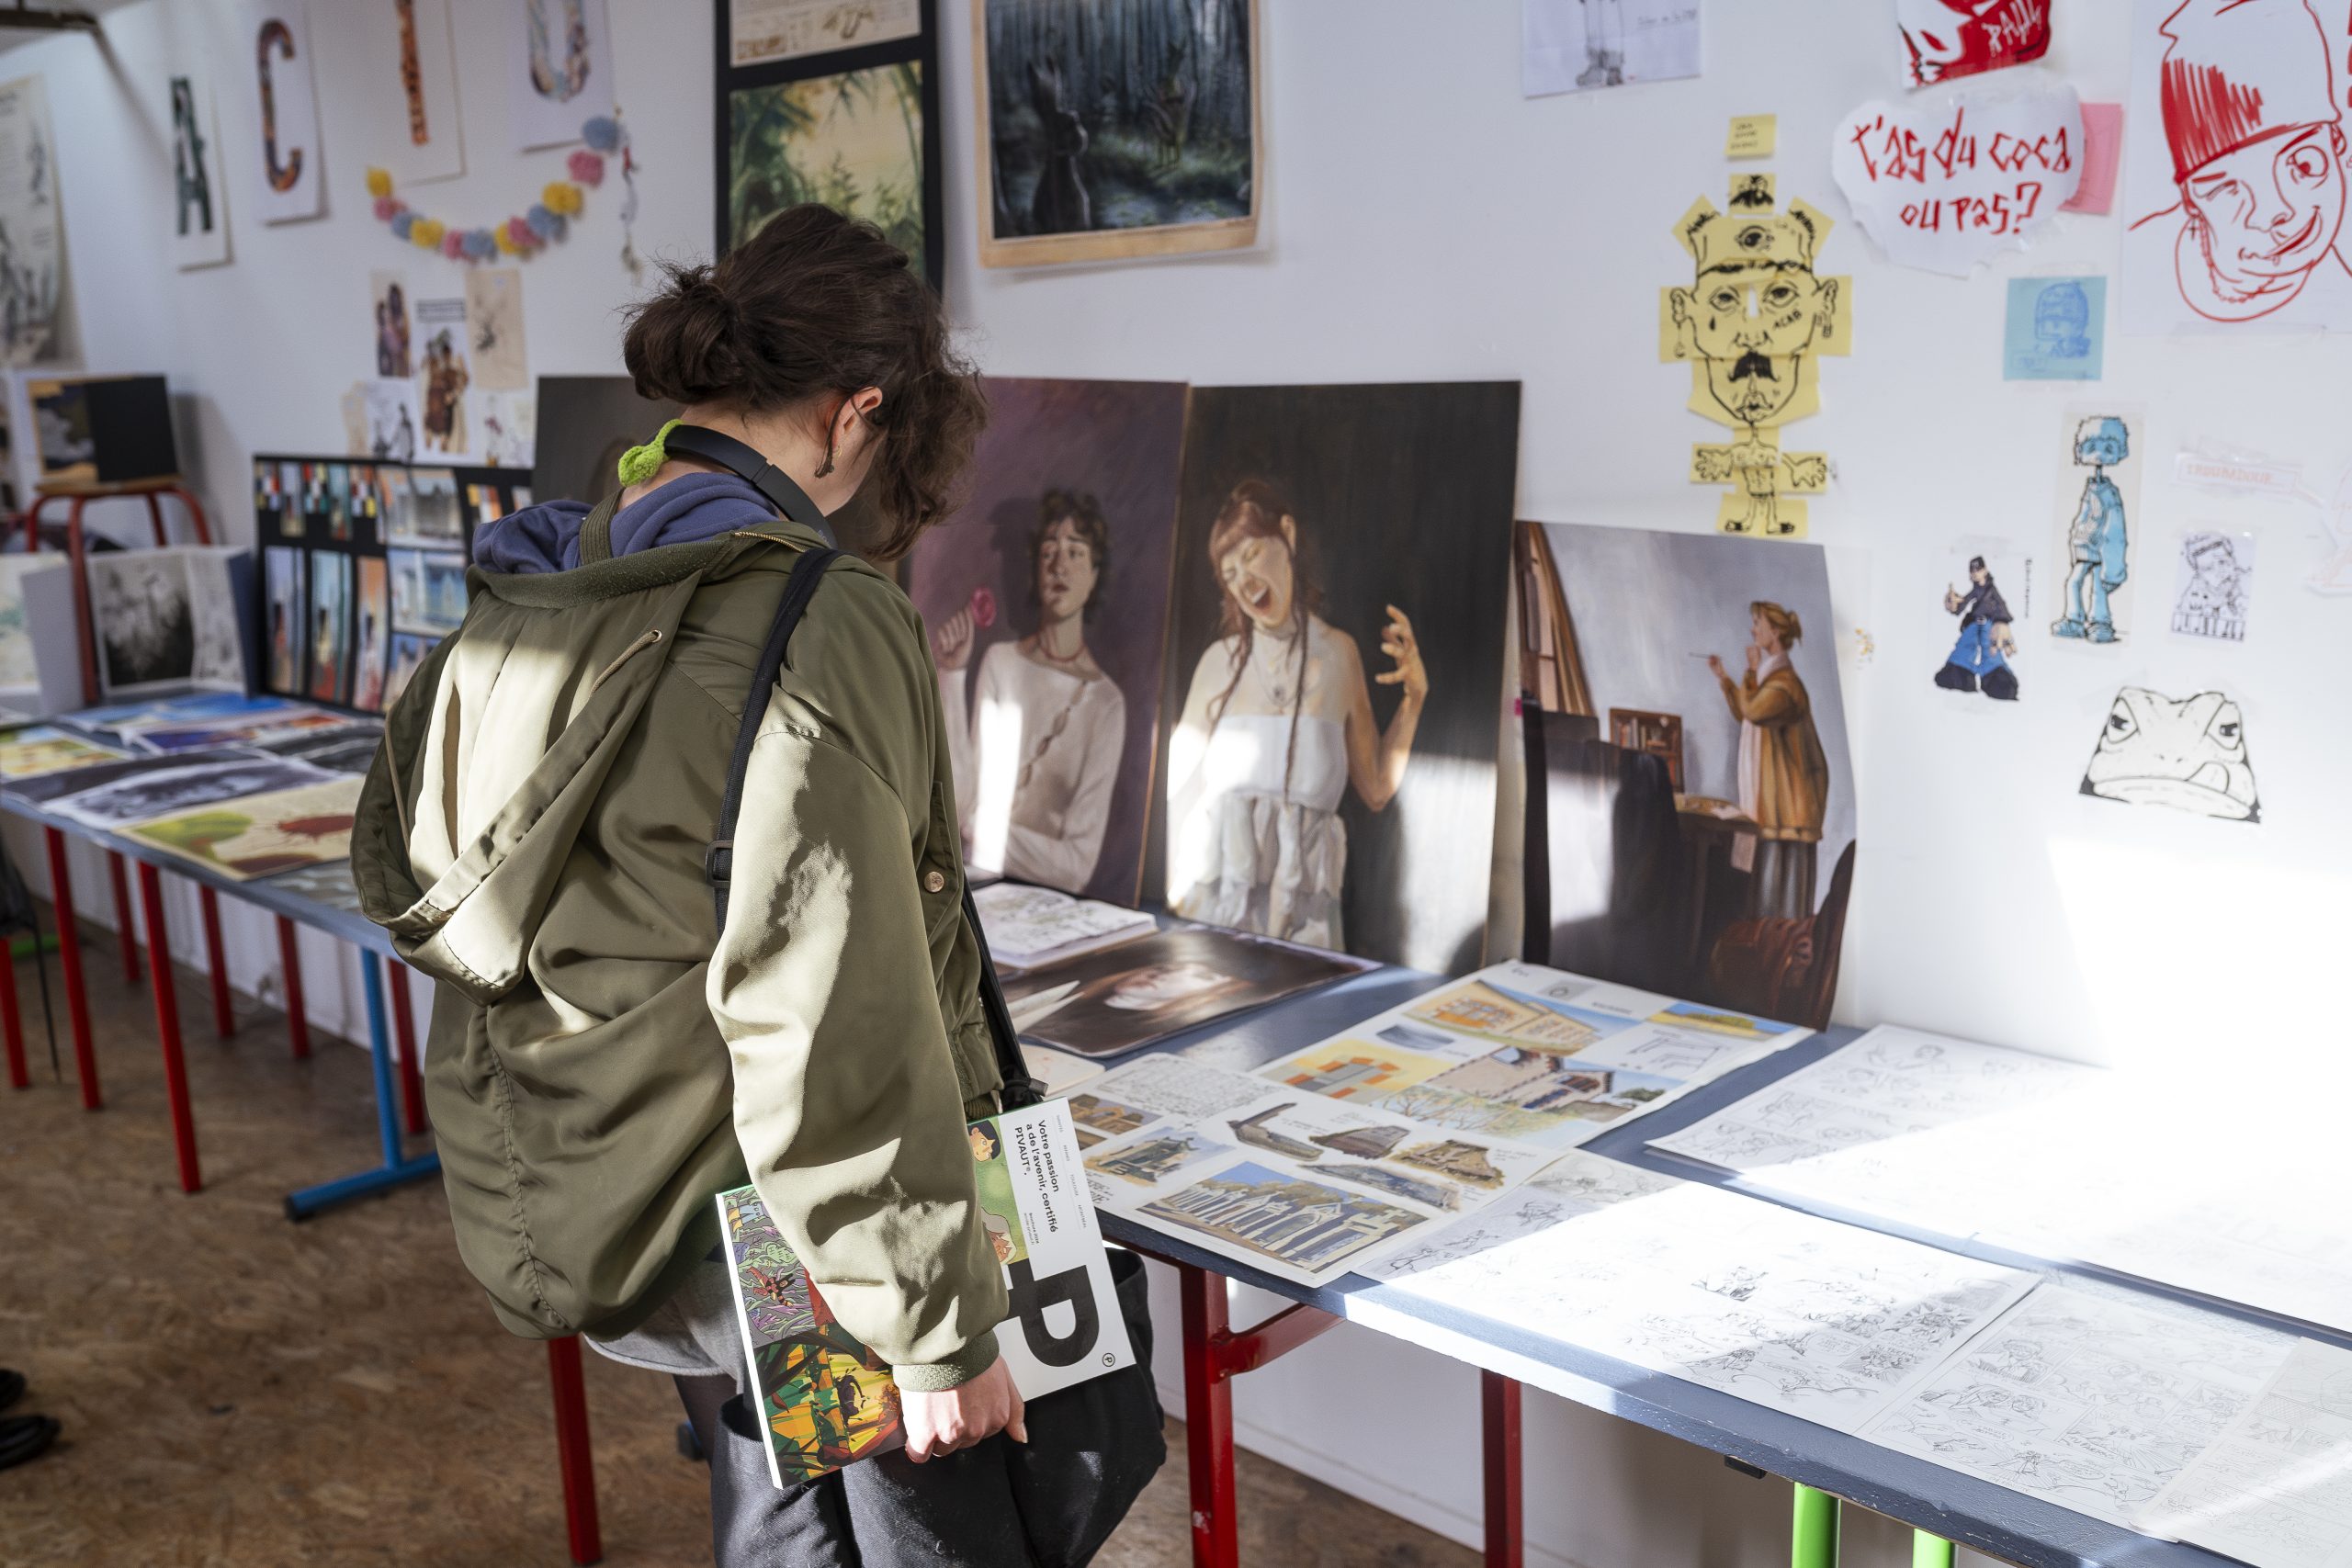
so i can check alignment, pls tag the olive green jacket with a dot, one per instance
(604, 1059)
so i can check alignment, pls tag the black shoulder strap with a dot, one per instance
(718, 860)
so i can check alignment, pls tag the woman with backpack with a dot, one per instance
(670, 822)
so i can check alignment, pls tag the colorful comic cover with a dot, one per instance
(262, 833)
(29, 753)
(826, 1401)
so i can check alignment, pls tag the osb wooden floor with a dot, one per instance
(240, 1392)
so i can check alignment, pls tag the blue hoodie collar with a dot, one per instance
(684, 511)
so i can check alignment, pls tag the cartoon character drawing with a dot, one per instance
(2061, 321)
(1753, 322)
(2098, 542)
(1604, 45)
(2188, 753)
(2253, 120)
(1979, 661)
(2214, 588)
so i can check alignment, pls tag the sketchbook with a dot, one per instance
(826, 1401)
(2274, 1489)
(1029, 926)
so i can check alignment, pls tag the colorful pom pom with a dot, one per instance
(546, 227)
(453, 244)
(481, 244)
(386, 209)
(402, 225)
(640, 463)
(602, 133)
(425, 233)
(587, 168)
(379, 182)
(563, 196)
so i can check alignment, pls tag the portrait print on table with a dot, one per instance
(200, 196)
(1753, 324)
(1691, 762)
(407, 96)
(1575, 46)
(2188, 753)
(1331, 698)
(2099, 495)
(560, 68)
(274, 45)
(1988, 591)
(2056, 330)
(2213, 591)
(1943, 40)
(1046, 597)
(1119, 997)
(1116, 128)
(2233, 172)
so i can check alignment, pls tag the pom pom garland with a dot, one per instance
(586, 168)
(526, 233)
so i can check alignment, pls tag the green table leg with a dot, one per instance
(1813, 1534)
(1929, 1551)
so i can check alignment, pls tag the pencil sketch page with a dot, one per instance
(2274, 1489)
(2091, 1403)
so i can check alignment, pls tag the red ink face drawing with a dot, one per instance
(2270, 209)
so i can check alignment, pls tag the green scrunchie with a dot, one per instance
(641, 463)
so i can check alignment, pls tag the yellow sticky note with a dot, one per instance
(1752, 136)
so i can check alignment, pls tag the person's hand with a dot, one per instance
(951, 645)
(1952, 601)
(1754, 657)
(960, 1417)
(1396, 640)
(1716, 666)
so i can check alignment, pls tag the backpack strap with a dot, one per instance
(596, 531)
(1021, 1089)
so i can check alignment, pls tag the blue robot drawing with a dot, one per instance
(2061, 321)
(2099, 539)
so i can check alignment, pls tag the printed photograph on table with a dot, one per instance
(1115, 128)
(1330, 710)
(1946, 40)
(274, 49)
(1692, 817)
(2233, 167)
(1117, 998)
(762, 30)
(2188, 753)
(855, 142)
(1287, 1224)
(329, 629)
(200, 204)
(42, 749)
(286, 593)
(1046, 595)
(559, 67)
(263, 834)
(1153, 1159)
(1576, 46)
(428, 592)
(2098, 509)
(1988, 591)
(2213, 587)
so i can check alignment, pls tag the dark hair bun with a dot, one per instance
(682, 344)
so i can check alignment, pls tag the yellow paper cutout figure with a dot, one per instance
(1754, 324)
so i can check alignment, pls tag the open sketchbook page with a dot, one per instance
(2089, 1402)
(2069, 1162)
(1800, 1315)
(2276, 1487)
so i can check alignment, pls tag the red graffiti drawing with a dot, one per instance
(1946, 38)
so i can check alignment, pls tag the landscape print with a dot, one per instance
(853, 141)
(1116, 128)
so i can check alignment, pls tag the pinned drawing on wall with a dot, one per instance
(391, 420)
(201, 198)
(761, 30)
(2094, 541)
(560, 68)
(1575, 46)
(1752, 193)
(1988, 589)
(2213, 591)
(1753, 325)
(1942, 186)
(32, 283)
(509, 429)
(2056, 330)
(2188, 753)
(395, 357)
(443, 373)
(2234, 185)
(1115, 128)
(277, 54)
(407, 96)
(1752, 136)
(1943, 40)
(494, 315)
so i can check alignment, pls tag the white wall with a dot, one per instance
(1424, 221)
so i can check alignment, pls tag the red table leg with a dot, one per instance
(1208, 1420)
(404, 1031)
(167, 1028)
(290, 963)
(572, 1453)
(126, 937)
(68, 959)
(82, 620)
(224, 1017)
(12, 1024)
(1499, 1401)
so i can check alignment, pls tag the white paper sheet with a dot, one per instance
(1942, 186)
(2084, 1401)
(2274, 1489)
(1576, 46)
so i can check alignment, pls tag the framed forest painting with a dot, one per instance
(816, 104)
(1116, 128)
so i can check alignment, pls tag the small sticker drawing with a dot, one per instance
(1981, 660)
(1753, 325)
(2234, 191)
(2216, 585)
(2188, 753)
(2098, 539)
(1946, 38)
(2056, 330)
